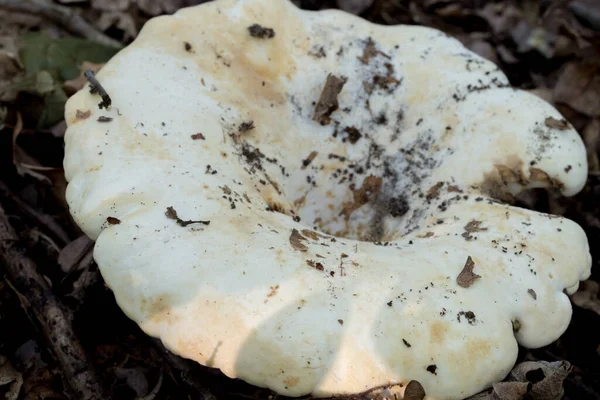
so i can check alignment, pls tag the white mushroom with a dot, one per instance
(316, 204)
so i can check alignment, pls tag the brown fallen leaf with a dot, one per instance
(467, 277)
(296, 241)
(501, 17)
(546, 378)
(472, 226)
(560, 124)
(369, 191)
(10, 376)
(579, 87)
(535, 380)
(121, 20)
(328, 101)
(414, 391)
(588, 296)
(70, 256)
(591, 137)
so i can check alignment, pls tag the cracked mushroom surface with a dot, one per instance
(320, 205)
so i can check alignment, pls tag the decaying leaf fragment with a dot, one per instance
(414, 391)
(328, 101)
(467, 277)
(10, 376)
(172, 214)
(561, 124)
(588, 296)
(296, 241)
(535, 380)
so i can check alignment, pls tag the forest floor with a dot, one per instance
(60, 325)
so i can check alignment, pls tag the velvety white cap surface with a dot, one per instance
(327, 254)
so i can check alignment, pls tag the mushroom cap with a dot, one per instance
(312, 203)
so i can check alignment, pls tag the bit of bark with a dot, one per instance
(60, 15)
(261, 32)
(309, 159)
(328, 101)
(49, 313)
(466, 277)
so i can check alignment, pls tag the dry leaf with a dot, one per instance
(74, 252)
(546, 378)
(588, 296)
(328, 101)
(591, 137)
(121, 20)
(501, 17)
(588, 11)
(414, 391)
(560, 124)
(10, 376)
(466, 277)
(484, 49)
(296, 241)
(354, 6)
(579, 88)
(535, 380)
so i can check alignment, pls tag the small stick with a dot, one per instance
(60, 15)
(51, 315)
(96, 87)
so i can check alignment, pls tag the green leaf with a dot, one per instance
(63, 56)
(46, 86)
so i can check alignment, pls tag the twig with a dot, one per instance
(96, 88)
(49, 312)
(43, 219)
(61, 15)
